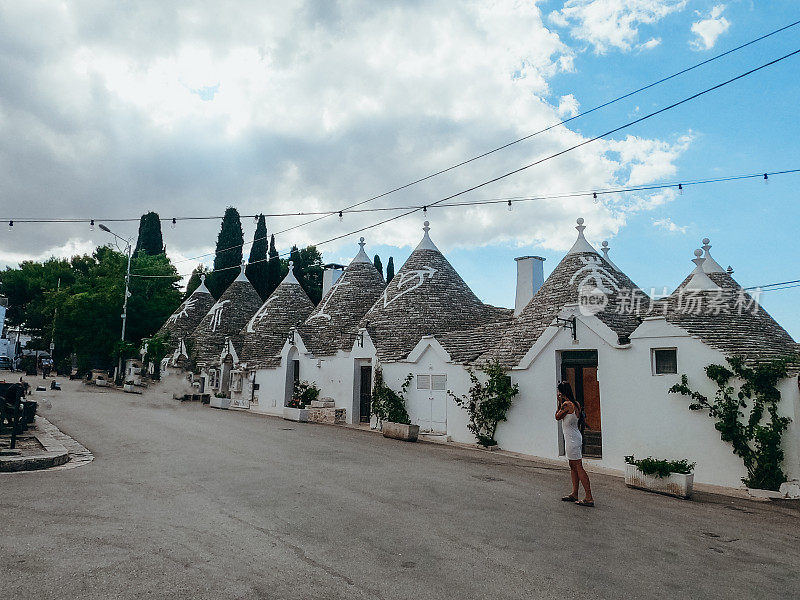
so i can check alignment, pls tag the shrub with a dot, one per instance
(304, 394)
(487, 403)
(386, 404)
(660, 467)
(756, 440)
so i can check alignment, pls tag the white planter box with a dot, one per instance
(100, 382)
(295, 414)
(399, 431)
(677, 484)
(130, 388)
(215, 402)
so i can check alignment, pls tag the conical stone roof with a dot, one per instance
(264, 334)
(225, 319)
(582, 277)
(334, 322)
(728, 318)
(426, 297)
(187, 317)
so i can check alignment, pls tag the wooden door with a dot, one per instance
(365, 393)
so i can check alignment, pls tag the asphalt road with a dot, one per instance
(184, 501)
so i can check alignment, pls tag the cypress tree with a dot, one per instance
(378, 264)
(194, 280)
(229, 253)
(273, 268)
(390, 269)
(150, 240)
(257, 268)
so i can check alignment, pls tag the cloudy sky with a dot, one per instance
(111, 109)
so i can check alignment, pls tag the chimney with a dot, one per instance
(330, 276)
(530, 277)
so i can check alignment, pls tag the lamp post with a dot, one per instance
(127, 293)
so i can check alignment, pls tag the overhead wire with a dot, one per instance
(561, 152)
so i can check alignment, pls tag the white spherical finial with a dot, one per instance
(361, 239)
(706, 241)
(580, 221)
(427, 223)
(698, 253)
(605, 244)
(291, 265)
(202, 278)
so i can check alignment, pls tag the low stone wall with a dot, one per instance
(325, 411)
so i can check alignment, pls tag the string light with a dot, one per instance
(594, 196)
(174, 222)
(341, 217)
(425, 209)
(10, 225)
(91, 225)
(510, 208)
(766, 178)
(680, 189)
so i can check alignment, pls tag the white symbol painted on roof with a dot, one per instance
(260, 314)
(184, 312)
(408, 276)
(330, 295)
(216, 316)
(595, 275)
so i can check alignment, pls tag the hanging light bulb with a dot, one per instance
(425, 209)
(680, 189)
(174, 222)
(91, 225)
(10, 225)
(255, 219)
(341, 217)
(594, 195)
(510, 208)
(766, 179)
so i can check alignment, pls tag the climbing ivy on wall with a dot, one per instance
(755, 437)
(487, 403)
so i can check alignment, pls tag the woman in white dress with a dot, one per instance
(568, 414)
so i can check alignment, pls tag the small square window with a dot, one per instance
(423, 382)
(439, 382)
(665, 361)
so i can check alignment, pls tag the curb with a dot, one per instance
(54, 454)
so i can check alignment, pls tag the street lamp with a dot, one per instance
(127, 293)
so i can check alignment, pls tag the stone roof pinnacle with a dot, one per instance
(361, 256)
(700, 280)
(605, 250)
(710, 265)
(426, 243)
(581, 245)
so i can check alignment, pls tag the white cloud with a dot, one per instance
(315, 105)
(613, 23)
(568, 106)
(650, 44)
(667, 225)
(709, 29)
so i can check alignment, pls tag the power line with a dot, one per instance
(557, 154)
(324, 214)
(562, 152)
(579, 115)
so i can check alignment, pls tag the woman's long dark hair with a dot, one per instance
(566, 390)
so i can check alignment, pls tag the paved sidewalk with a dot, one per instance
(36, 448)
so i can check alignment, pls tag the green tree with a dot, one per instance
(273, 268)
(308, 270)
(150, 240)
(194, 280)
(229, 253)
(390, 269)
(378, 264)
(257, 265)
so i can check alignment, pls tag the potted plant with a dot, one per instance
(389, 409)
(303, 394)
(671, 477)
(220, 400)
